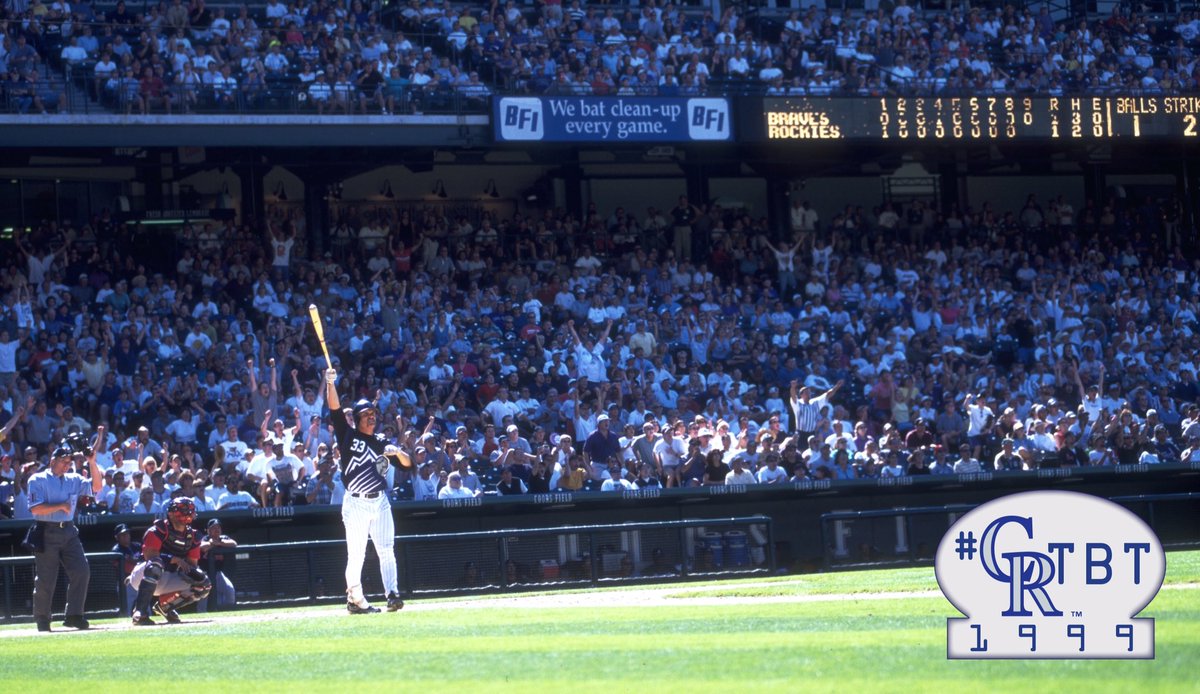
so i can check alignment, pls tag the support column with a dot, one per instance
(697, 183)
(698, 194)
(572, 175)
(153, 182)
(251, 193)
(317, 218)
(948, 184)
(1189, 187)
(779, 213)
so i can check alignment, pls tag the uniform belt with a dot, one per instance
(57, 524)
(366, 495)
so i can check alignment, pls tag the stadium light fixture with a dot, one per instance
(490, 189)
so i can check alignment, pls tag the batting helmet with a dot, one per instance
(361, 407)
(183, 509)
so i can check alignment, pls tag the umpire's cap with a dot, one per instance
(362, 406)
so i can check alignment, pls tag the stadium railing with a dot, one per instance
(449, 563)
(284, 96)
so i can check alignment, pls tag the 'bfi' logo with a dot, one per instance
(521, 119)
(708, 119)
(1050, 574)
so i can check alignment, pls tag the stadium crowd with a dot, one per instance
(339, 57)
(677, 347)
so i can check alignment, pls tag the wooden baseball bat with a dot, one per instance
(315, 315)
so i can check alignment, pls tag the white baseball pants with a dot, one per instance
(371, 518)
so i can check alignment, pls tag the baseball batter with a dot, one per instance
(168, 571)
(366, 509)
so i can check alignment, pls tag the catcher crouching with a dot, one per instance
(167, 578)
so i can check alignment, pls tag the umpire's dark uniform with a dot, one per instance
(53, 494)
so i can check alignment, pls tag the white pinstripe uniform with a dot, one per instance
(366, 509)
(808, 414)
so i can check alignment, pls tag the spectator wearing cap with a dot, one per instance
(739, 473)
(615, 479)
(427, 480)
(1163, 446)
(1007, 459)
(286, 471)
(160, 488)
(214, 561)
(807, 408)
(470, 480)
(509, 484)
(979, 422)
(195, 486)
(601, 445)
(570, 476)
(233, 449)
(518, 444)
(237, 497)
(257, 470)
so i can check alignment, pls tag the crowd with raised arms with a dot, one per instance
(685, 346)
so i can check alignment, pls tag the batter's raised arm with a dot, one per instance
(331, 396)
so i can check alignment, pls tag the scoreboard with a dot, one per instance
(974, 118)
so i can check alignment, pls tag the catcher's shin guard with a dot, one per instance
(145, 594)
(199, 590)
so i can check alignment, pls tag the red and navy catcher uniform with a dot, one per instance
(168, 571)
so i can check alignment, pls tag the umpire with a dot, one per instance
(53, 494)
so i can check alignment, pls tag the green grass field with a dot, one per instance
(751, 640)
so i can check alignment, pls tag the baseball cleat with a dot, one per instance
(358, 609)
(141, 620)
(167, 613)
(394, 602)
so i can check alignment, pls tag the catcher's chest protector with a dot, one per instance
(176, 544)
